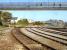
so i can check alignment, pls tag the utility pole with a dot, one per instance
(53, 4)
(60, 4)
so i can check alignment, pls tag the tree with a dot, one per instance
(38, 23)
(5, 17)
(65, 25)
(23, 22)
(0, 18)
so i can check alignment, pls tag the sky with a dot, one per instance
(33, 0)
(40, 15)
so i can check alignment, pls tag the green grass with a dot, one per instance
(1, 33)
(2, 27)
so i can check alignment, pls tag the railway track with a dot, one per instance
(29, 43)
(59, 29)
(52, 36)
(62, 44)
(53, 31)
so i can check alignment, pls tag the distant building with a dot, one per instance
(55, 23)
(30, 21)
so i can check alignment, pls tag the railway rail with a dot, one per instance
(53, 37)
(29, 43)
(62, 44)
(60, 29)
(53, 31)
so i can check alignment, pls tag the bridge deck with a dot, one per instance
(34, 6)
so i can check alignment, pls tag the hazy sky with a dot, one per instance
(38, 15)
(41, 15)
(33, 0)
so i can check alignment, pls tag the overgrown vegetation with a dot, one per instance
(49, 23)
(56, 24)
(23, 22)
(5, 18)
(38, 23)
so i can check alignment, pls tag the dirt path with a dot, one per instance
(8, 42)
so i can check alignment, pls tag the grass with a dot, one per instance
(1, 32)
(2, 27)
(21, 25)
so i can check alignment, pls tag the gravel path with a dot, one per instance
(8, 42)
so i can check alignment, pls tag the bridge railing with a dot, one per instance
(34, 5)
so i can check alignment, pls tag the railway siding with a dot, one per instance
(62, 41)
(27, 42)
(44, 41)
(53, 31)
(56, 35)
